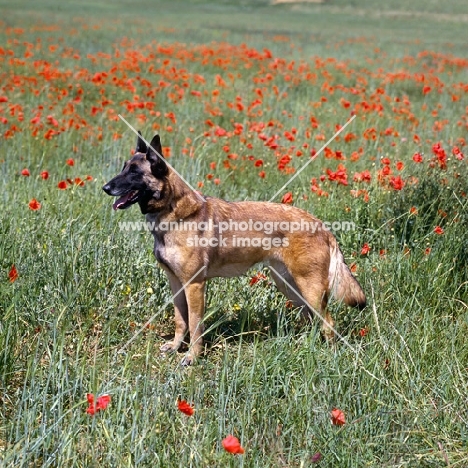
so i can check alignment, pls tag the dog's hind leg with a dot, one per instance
(286, 284)
(180, 315)
(314, 291)
(309, 292)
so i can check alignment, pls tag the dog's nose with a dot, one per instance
(107, 188)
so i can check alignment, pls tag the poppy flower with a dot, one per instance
(417, 157)
(438, 230)
(185, 407)
(70, 162)
(232, 445)
(13, 274)
(337, 417)
(62, 185)
(101, 403)
(44, 175)
(34, 205)
(261, 174)
(457, 153)
(397, 183)
(258, 277)
(287, 198)
(365, 249)
(316, 457)
(25, 172)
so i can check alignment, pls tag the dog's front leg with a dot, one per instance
(180, 315)
(195, 294)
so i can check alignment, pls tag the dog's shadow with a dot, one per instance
(243, 326)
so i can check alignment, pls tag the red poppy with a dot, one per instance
(232, 445)
(365, 249)
(62, 185)
(101, 403)
(337, 417)
(70, 162)
(258, 163)
(25, 172)
(34, 205)
(261, 174)
(413, 210)
(363, 332)
(258, 277)
(457, 153)
(287, 198)
(438, 230)
(397, 183)
(44, 175)
(13, 274)
(316, 457)
(400, 165)
(417, 158)
(340, 176)
(185, 408)
(364, 176)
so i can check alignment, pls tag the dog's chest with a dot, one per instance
(166, 250)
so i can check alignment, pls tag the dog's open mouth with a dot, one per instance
(126, 200)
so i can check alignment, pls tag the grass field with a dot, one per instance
(242, 94)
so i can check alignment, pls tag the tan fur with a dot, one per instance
(311, 262)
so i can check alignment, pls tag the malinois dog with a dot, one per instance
(198, 237)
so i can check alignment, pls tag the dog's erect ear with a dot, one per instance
(155, 157)
(141, 145)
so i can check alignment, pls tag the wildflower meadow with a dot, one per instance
(243, 95)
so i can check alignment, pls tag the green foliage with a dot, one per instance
(85, 288)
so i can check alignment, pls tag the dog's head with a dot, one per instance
(143, 179)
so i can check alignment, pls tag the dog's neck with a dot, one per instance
(184, 202)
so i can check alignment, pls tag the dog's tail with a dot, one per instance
(343, 285)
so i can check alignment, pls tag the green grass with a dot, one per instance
(85, 288)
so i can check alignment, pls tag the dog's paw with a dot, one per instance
(169, 347)
(188, 360)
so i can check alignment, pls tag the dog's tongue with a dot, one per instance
(122, 200)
